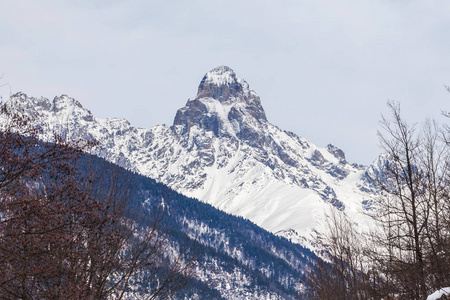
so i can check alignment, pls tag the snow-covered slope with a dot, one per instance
(222, 150)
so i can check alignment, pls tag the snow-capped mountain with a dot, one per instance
(235, 259)
(222, 150)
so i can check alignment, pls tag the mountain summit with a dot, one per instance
(225, 104)
(222, 84)
(222, 150)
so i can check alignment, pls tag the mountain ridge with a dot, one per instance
(222, 150)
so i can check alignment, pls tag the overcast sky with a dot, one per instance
(323, 69)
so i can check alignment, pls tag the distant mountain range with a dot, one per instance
(222, 150)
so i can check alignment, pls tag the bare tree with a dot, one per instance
(434, 163)
(345, 271)
(404, 212)
(411, 212)
(408, 254)
(69, 229)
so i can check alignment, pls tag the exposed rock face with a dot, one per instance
(222, 150)
(222, 84)
(222, 104)
(338, 153)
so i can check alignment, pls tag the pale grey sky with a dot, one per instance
(323, 69)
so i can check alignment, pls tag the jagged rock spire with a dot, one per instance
(222, 99)
(222, 84)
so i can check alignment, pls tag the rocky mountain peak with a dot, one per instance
(20, 102)
(40, 108)
(222, 150)
(224, 105)
(223, 85)
(338, 153)
(65, 101)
